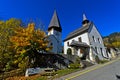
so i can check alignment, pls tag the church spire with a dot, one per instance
(55, 23)
(84, 17)
(85, 20)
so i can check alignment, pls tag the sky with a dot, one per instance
(105, 14)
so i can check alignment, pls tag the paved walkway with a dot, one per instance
(88, 69)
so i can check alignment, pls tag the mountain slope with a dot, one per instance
(113, 40)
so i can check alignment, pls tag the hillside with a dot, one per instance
(113, 40)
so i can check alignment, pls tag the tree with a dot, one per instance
(27, 42)
(113, 40)
(6, 53)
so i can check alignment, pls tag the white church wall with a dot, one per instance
(51, 32)
(84, 38)
(66, 45)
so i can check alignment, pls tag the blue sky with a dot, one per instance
(104, 13)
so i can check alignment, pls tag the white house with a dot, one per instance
(55, 33)
(86, 42)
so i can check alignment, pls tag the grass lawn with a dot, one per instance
(59, 73)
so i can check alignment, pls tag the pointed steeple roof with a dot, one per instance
(84, 17)
(55, 23)
(85, 20)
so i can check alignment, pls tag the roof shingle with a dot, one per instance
(54, 22)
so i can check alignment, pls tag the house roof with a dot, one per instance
(78, 31)
(55, 23)
(78, 44)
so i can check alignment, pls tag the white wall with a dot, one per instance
(84, 38)
(51, 32)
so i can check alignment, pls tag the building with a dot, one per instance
(55, 33)
(86, 42)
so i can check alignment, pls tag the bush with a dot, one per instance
(100, 61)
(77, 61)
(8, 66)
(97, 59)
(74, 66)
(16, 72)
(103, 61)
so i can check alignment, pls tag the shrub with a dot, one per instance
(74, 66)
(16, 72)
(97, 59)
(103, 61)
(77, 61)
(100, 61)
(8, 66)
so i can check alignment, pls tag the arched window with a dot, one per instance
(51, 44)
(69, 51)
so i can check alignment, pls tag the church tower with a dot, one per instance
(85, 20)
(55, 30)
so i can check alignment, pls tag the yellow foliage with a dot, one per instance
(116, 44)
(15, 62)
(28, 37)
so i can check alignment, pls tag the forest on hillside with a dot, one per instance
(113, 40)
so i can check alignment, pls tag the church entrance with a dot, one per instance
(81, 48)
(83, 53)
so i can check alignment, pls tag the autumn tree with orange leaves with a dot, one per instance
(28, 42)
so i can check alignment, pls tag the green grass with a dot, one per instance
(103, 61)
(59, 73)
(65, 72)
(42, 78)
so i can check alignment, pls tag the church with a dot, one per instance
(85, 42)
(55, 34)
